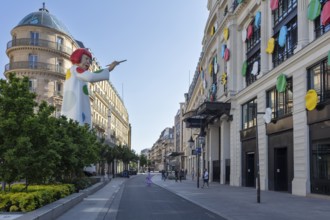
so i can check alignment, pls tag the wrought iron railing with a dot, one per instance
(34, 66)
(40, 43)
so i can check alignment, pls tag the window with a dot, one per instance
(320, 29)
(59, 43)
(319, 79)
(249, 112)
(33, 60)
(321, 161)
(34, 38)
(250, 78)
(253, 54)
(280, 103)
(285, 15)
(59, 65)
(286, 8)
(32, 85)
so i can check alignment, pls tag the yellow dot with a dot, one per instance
(68, 74)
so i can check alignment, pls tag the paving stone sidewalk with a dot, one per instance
(240, 203)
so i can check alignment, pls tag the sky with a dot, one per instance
(161, 40)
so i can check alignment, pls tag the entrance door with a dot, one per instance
(280, 169)
(216, 171)
(249, 173)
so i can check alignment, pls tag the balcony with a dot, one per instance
(34, 66)
(39, 43)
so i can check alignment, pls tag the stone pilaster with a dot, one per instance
(303, 34)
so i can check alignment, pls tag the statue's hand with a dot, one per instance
(114, 64)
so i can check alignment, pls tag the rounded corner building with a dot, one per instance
(40, 49)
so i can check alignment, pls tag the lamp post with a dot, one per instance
(201, 141)
(257, 154)
(191, 143)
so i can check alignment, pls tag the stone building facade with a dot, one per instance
(258, 55)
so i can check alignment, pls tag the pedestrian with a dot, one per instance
(148, 179)
(163, 175)
(76, 100)
(192, 174)
(205, 178)
(181, 175)
(176, 173)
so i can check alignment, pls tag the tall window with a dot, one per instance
(321, 161)
(34, 38)
(319, 79)
(249, 112)
(59, 65)
(33, 60)
(319, 28)
(285, 15)
(59, 43)
(281, 103)
(253, 54)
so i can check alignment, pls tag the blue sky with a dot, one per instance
(161, 40)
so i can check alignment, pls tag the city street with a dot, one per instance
(138, 201)
(131, 198)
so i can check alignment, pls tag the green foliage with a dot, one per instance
(34, 145)
(35, 197)
(82, 183)
(143, 160)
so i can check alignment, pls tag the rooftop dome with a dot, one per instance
(45, 19)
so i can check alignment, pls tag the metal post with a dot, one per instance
(198, 169)
(257, 159)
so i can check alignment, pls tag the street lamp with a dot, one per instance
(267, 118)
(191, 142)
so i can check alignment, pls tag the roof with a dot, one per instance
(45, 19)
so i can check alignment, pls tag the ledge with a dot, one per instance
(57, 208)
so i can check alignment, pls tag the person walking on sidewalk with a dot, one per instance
(176, 173)
(181, 175)
(148, 179)
(205, 178)
(192, 174)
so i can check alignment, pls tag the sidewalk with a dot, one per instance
(96, 206)
(240, 203)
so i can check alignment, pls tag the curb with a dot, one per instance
(57, 208)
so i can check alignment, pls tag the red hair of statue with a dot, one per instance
(77, 54)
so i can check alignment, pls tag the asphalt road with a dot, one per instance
(137, 201)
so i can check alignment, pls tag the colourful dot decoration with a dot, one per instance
(68, 74)
(85, 89)
(80, 70)
(98, 71)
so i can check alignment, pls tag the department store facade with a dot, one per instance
(258, 55)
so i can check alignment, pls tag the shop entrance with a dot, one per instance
(280, 169)
(249, 172)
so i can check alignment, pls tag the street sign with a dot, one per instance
(199, 150)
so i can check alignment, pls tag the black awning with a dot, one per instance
(214, 108)
(175, 154)
(205, 113)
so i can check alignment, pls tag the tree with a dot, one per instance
(16, 108)
(143, 160)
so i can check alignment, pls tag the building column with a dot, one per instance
(301, 160)
(213, 147)
(225, 148)
(265, 34)
(302, 24)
